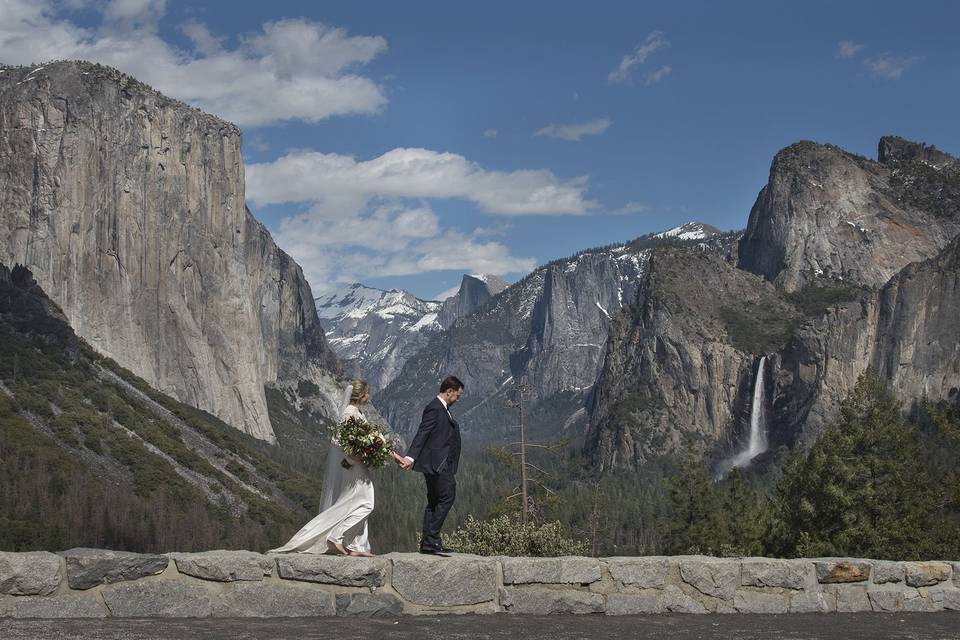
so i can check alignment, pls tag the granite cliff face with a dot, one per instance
(474, 292)
(549, 329)
(828, 212)
(129, 209)
(680, 361)
(908, 333)
(858, 265)
(375, 332)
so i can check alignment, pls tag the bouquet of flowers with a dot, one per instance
(362, 439)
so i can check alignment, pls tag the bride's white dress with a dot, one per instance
(345, 520)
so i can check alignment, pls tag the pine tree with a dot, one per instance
(862, 490)
(693, 515)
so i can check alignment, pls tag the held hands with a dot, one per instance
(405, 463)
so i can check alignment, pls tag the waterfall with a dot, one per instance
(758, 432)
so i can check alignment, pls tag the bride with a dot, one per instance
(347, 499)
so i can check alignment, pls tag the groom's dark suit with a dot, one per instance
(436, 454)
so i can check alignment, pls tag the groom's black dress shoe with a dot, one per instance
(435, 550)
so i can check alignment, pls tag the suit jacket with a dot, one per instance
(436, 446)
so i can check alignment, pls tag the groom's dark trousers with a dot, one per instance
(436, 454)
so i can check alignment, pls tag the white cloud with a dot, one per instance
(628, 208)
(203, 41)
(848, 49)
(653, 42)
(656, 76)
(491, 133)
(336, 179)
(337, 248)
(369, 218)
(134, 13)
(449, 293)
(290, 69)
(574, 132)
(891, 67)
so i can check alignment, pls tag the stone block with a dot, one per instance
(887, 572)
(841, 571)
(923, 601)
(272, 600)
(158, 599)
(852, 599)
(674, 600)
(224, 566)
(886, 600)
(29, 574)
(87, 568)
(340, 570)
(443, 582)
(550, 570)
(766, 572)
(545, 602)
(369, 605)
(812, 601)
(747, 601)
(712, 577)
(927, 574)
(645, 573)
(630, 604)
(951, 598)
(64, 606)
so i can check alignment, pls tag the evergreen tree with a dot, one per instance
(693, 519)
(862, 490)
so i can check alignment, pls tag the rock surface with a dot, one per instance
(859, 266)
(549, 328)
(550, 570)
(826, 211)
(150, 250)
(681, 360)
(158, 599)
(436, 583)
(412, 584)
(546, 602)
(348, 572)
(87, 568)
(251, 600)
(30, 573)
(224, 566)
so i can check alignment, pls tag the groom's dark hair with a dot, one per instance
(451, 382)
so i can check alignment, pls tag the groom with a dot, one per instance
(435, 452)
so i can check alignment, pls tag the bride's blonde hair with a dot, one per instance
(360, 387)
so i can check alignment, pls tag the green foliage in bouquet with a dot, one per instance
(361, 439)
(508, 535)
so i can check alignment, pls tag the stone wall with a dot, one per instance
(91, 583)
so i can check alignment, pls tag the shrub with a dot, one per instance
(508, 535)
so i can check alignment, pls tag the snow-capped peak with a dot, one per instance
(688, 231)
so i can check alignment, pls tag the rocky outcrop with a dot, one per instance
(828, 212)
(680, 362)
(417, 585)
(129, 209)
(907, 333)
(680, 365)
(549, 329)
(375, 332)
(474, 292)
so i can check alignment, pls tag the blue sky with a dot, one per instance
(404, 143)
